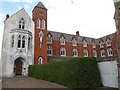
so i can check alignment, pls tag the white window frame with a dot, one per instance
(110, 52)
(101, 45)
(40, 60)
(102, 52)
(75, 52)
(108, 43)
(84, 43)
(43, 24)
(62, 51)
(51, 50)
(22, 23)
(94, 45)
(62, 41)
(38, 23)
(94, 53)
(74, 42)
(85, 51)
(49, 39)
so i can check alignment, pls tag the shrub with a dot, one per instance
(79, 72)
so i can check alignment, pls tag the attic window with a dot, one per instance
(22, 23)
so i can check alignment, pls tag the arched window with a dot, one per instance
(101, 45)
(22, 23)
(62, 40)
(43, 24)
(49, 51)
(12, 42)
(84, 43)
(29, 43)
(74, 42)
(40, 60)
(19, 41)
(62, 51)
(85, 52)
(23, 42)
(38, 23)
(75, 52)
(102, 53)
(94, 53)
(49, 39)
(109, 51)
(94, 45)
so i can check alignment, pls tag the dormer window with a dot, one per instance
(38, 23)
(101, 45)
(108, 43)
(74, 42)
(75, 52)
(22, 23)
(49, 39)
(94, 45)
(62, 40)
(84, 43)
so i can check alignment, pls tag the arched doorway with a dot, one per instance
(18, 66)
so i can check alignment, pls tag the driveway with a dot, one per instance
(27, 82)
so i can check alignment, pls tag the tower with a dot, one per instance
(39, 15)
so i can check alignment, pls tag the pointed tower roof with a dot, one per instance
(40, 5)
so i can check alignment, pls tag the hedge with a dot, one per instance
(79, 72)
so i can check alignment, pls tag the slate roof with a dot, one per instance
(40, 5)
(68, 37)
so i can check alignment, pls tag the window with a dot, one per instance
(85, 52)
(109, 51)
(75, 52)
(74, 41)
(94, 53)
(49, 51)
(84, 43)
(102, 53)
(43, 24)
(12, 43)
(62, 40)
(108, 43)
(40, 60)
(62, 51)
(94, 46)
(49, 39)
(101, 45)
(19, 41)
(38, 23)
(23, 42)
(22, 23)
(29, 43)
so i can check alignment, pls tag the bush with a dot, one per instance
(79, 72)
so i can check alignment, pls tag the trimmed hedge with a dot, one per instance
(79, 72)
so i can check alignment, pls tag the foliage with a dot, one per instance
(79, 72)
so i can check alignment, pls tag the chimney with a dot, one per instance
(77, 33)
(7, 16)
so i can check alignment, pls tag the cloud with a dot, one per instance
(27, 1)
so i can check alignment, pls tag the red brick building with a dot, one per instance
(51, 45)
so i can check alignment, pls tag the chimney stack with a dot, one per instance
(7, 16)
(77, 33)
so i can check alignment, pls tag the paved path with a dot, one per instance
(27, 82)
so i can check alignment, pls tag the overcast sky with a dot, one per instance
(92, 18)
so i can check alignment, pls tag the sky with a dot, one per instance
(92, 18)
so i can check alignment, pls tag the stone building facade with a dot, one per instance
(27, 41)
